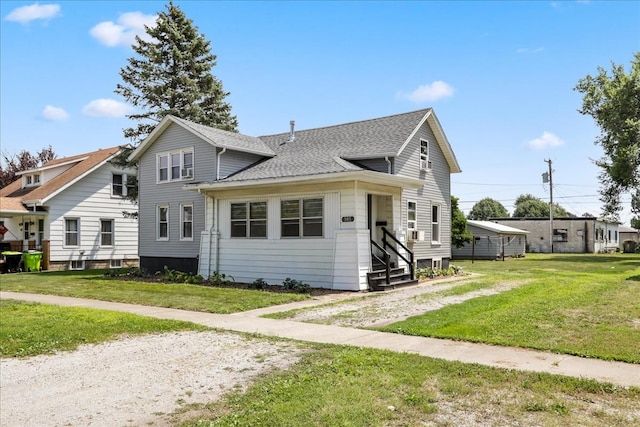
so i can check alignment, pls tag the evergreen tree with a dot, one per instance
(613, 100)
(172, 75)
(488, 208)
(459, 233)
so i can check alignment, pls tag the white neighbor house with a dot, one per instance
(71, 208)
(321, 205)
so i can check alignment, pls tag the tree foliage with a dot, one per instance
(172, 75)
(613, 101)
(459, 233)
(529, 206)
(22, 162)
(488, 208)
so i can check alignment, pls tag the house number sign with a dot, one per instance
(347, 219)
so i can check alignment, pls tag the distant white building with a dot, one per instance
(570, 235)
(491, 241)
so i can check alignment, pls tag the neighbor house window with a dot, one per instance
(71, 231)
(36, 179)
(175, 166)
(249, 219)
(425, 163)
(412, 210)
(435, 223)
(115, 263)
(560, 235)
(301, 218)
(186, 221)
(106, 232)
(76, 265)
(163, 222)
(28, 179)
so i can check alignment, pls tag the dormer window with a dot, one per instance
(28, 180)
(425, 162)
(32, 179)
(36, 179)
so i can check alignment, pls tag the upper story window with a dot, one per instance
(175, 166)
(425, 163)
(435, 224)
(301, 217)
(249, 219)
(31, 179)
(121, 184)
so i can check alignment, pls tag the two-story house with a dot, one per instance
(326, 206)
(72, 209)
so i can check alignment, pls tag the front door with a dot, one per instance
(379, 212)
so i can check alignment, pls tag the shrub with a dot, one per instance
(295, 286)
(220, 279)
(175, 276)
(258, 284)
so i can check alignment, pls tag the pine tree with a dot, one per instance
(172, 75)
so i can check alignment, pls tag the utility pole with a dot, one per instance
(548, 177)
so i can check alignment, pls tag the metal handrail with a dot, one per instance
(409, 261)
(386, 261)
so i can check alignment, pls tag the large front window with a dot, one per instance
(175, 166)
(71, 231)
(249, 219)
(302, 218)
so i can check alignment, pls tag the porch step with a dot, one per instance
(395, 285)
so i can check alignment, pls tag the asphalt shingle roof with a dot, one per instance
(321, 150)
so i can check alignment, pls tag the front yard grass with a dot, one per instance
(342, 386)
(586, 305)
(30, 329)
(91, 284)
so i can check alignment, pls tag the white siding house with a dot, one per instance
(72, 210)
(335, 207)
(491, 240)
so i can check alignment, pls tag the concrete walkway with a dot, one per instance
(623, 374)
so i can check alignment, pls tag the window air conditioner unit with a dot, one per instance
(425, 164)
(187, 173)
(413, 235)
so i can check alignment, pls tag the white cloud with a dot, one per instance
(124, 32)
(54, 113)
(105, 108)
(547, 140)
(430, 92)
(26, 14)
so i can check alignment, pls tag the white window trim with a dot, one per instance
(438, 223)
(82, 264)
(185, 174)
(115, 263)
(64, 239)
(301, 218)
(415, 221)
(425, 161)
(436, 263)
(125, 189)
(113, 232)
(182, 221)
(158, 238)
(248, 219)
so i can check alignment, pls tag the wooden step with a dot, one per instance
(395, 285)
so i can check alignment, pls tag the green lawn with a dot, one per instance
(587, 305)
(91, 284)
(30, 329)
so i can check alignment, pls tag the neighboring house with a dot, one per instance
(72, 209)
(311, 205)
(629, 238)
(570, 235)
(491, 241)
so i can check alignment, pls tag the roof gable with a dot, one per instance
(86, 163)
(215, 137)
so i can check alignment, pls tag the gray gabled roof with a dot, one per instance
(328, 149)
(215, 137)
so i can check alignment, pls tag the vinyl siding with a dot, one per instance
(489, 244)
(152, 194)
(90, 201)
(379, 165)
(233, 161)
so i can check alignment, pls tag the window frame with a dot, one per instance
(415, 211)
(248, 220)
(184, 221)
(111, 233)
(159, 223)
(425, 162)
(81, 263)
(177, 168)
(302, 220)
(115, 263)
(68, 232)
(436, 224)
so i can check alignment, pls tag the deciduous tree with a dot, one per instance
(22, 162)
(488, 208)
(529, 206)
(459, 233)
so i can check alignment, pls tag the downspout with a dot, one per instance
(386, 159)
(216, 235)
(224, 150)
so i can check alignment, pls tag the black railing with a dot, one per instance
(386, 244)
(385, 260)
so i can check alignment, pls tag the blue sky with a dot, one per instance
(499, 75)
